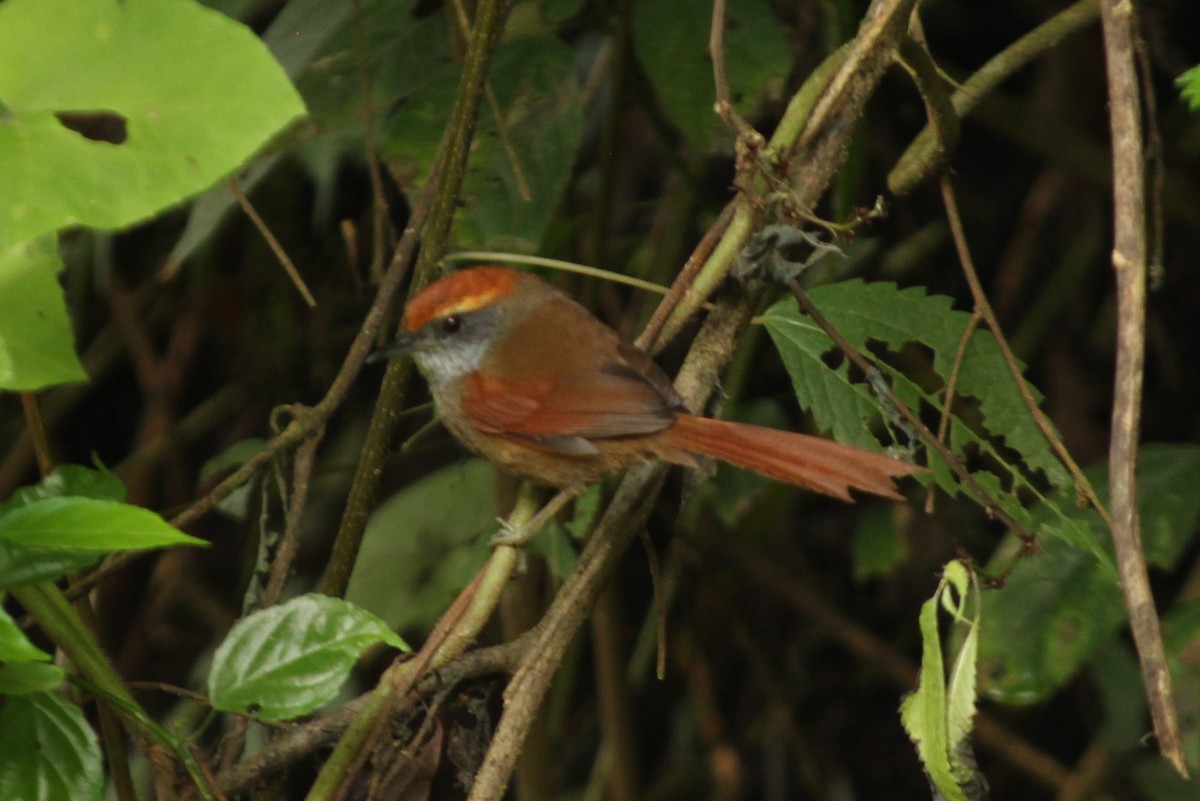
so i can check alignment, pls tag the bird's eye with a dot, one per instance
(452, 324)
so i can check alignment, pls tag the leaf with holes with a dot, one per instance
(114, 110)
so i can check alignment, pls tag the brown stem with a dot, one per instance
(268, 236)
(1129, 263)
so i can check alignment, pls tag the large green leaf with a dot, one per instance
(37, 348)
(288, 660)
(535, 83)
(195, 92)
(423, 545)
(670, 38)
(50, 751)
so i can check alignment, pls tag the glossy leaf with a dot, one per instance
(50, 751)
(291, 659)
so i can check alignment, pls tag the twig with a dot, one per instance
(284, 259)
(984, 307)
(922, 158)
(502, 131)
(724, 106)
(379, 205)
(37, 433)
(289, 545)
(1129, 263)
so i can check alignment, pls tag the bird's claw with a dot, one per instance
(514, 536)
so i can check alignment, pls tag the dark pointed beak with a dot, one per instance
(398, 347)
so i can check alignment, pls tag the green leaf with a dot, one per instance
(670, 38)
(91, 524)
(22, 565)
(23, 678)
(69, 479)
(14, 645)
(291, 659)
(1059, 607)
(50, 751)
(37, 347)
(535, 84)
(423, 545)
(990, 417)
(190, 93)
(938, 716)
(1189, 87)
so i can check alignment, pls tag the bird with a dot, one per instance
(524, 376)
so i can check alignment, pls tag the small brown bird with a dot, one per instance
(527, 378)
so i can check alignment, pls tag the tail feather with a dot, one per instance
(817, 464)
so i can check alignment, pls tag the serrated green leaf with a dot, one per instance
(37, 346)
(90, 524)
(289, 660)
(195, 92)
(23, 678)
(50, 751)
(670, 38)
(990, 417)
(14, 645)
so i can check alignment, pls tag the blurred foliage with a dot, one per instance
(792, 623)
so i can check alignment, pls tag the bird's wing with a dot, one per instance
(566, 404)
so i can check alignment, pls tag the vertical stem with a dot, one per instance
(1129, 263)
(450, 168)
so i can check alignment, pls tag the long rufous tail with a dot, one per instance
(813, 463)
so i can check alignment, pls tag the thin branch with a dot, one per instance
(284, 259)
(37, 433)
(1129, 263)
(724, 106)
(983, 306)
